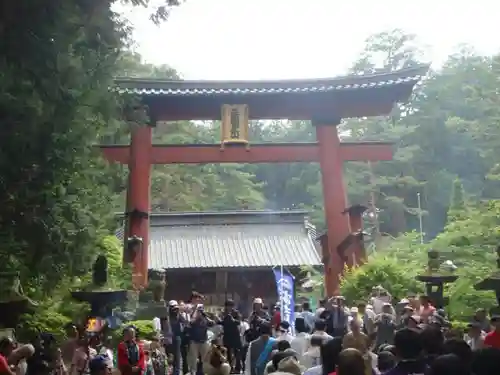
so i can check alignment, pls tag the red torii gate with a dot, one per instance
(323, 101)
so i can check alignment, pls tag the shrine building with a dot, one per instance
(230, 254)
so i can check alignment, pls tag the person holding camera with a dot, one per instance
(258, 316)
(336, 316)
(198, 334)
(230, 323)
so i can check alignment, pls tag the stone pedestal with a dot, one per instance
(434, 286)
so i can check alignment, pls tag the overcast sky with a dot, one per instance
(258, 39)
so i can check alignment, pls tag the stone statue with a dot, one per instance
(433, 261)
(158, 288)
(100, 271)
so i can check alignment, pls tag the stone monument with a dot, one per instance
(435, 280)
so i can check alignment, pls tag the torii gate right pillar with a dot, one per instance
(335, 201)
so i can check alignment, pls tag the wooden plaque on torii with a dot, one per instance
(234, 124)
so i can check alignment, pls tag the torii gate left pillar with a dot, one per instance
(138, 203)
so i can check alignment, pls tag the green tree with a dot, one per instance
(457, 201)
(388, 272)
(54, 104)
(57, 63)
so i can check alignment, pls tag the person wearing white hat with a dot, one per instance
(256, 318)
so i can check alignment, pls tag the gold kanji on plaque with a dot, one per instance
(234, 124)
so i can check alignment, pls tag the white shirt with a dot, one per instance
(108, 353)
(248, 370)
(316, 370)
(477, 343)
(378, 303)
(309, 318)
(244, 326)
(300, 343)
(374, 359)
(323, 334)
(311, 358)
(157, 324)
(285, 337)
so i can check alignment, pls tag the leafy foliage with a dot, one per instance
(387, 272)
(45, 319)
(54, 102)
(469, 240)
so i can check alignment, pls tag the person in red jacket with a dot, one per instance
(276, 319)
(492, 339)
(131, 359)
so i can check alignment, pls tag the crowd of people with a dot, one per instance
(372, 337)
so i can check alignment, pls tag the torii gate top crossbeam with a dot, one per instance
(341, 97)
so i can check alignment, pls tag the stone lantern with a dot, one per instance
(435, 279)
(100, 298)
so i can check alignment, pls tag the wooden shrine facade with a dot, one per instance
(230, 254)
(323, 101)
